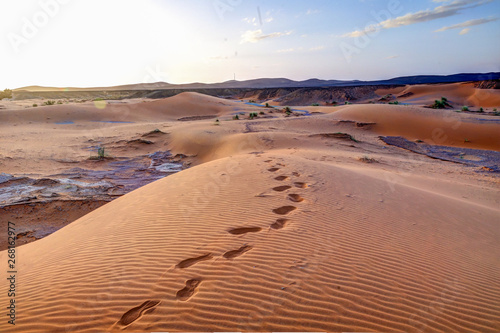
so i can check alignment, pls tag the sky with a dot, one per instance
(97, 43)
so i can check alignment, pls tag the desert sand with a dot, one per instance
(275, 224)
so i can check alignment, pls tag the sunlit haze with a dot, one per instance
(84, 43)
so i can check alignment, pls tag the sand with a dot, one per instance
(280, 224)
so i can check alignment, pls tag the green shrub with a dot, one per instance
(314, 104)
(98, 99)
(465, 108)
(267, 105)
(49, 102)
(7, 93)
(481, 110)
(35, 105)
(395, 102)
(347, 103)
(261, 112)
(441, 104)
(101, 152)
(236, 117)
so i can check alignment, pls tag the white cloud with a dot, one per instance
(252, 21)
(285, 50)
(254, 36)
(466, 24)
(449, 9)
(464, 31)
(312, 11)
(317, 48)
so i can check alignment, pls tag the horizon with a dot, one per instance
(56, 43)
(255, 79)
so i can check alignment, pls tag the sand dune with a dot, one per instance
(458, 94)
(282, 224)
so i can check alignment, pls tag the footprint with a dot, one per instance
(189, 290)
(279, 224)
(236, 253)
(241, 231)
(191, 261)
(300, 185)
(135, 313)
(273, 169)
(284, 210)
(282, 188)
(296, 174)
(295, 198)
(281, 178)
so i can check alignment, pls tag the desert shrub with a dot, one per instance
(441, 104)
(267, 105)
(59, 102)
(236, 117)
(481, 110)
(101, 152)
(35, 105)
(98, 99)
(465, 108)
(347, 103)
(261, 112)
(7, 93)
(49, 102)
(251, 101)
(395, 102)
(314, 104)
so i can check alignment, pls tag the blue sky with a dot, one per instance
(109, 42)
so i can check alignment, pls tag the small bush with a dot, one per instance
(261, 112)
(98, 99)
(395, 102)
(267, 105)
(7, 93)
(101, 152)
(481, 110)
(236, 117)
(465, 108)
(59, 102)
(251, 101)
(347, 103)
(314, 104)
(49, 102)
(441, 104)
(35, 105)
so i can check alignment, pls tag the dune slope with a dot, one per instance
(311, 246)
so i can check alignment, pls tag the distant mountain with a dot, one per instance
(285, 83)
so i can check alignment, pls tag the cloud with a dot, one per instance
(464, 31)
(317, 48)
(252, 21)
(446, 10)
(467, 24)
(393, 56)
(254, 36)
(285, 50)
(312, 11)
